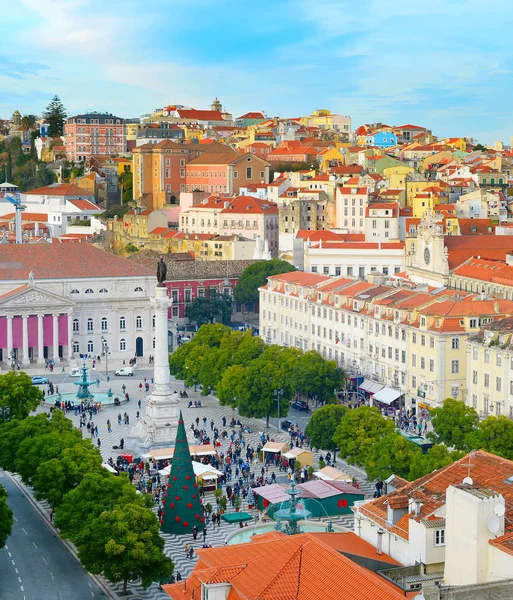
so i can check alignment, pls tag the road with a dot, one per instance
(35, 564)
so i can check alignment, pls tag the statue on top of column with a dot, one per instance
(161, 272)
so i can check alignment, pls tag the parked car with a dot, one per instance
(301, 405)
(285, 425)
(129, 371)
(39, 380)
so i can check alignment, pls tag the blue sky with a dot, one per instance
(443, 64)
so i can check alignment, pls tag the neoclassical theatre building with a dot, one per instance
(60, 300)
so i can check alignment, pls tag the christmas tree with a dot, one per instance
(182, 506)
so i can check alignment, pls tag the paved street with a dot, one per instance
(175, 545)
(35, 564)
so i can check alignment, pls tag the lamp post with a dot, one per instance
(278, 394)
(5, 413)
(105, 346)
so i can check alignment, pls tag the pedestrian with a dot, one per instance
(194, 532)
(204, 535)
(139, 403)
(109, 428)
(187, 548)
(99, 443)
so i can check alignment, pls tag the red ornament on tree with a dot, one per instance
(175, 478)
(184, 487)
(177, 498)
(172, 505)
(187, 477)
(189, 505)
(177, 519)
(185, 524)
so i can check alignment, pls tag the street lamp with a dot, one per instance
(277, 395)
(5, 413)
(105, 346)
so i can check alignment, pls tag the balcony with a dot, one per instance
(421, 393)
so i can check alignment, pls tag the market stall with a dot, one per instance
(305, 457)
(332, 474)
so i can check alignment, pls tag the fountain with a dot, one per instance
(291, 519)
(83, 385)
(291, 515)
(84, 394)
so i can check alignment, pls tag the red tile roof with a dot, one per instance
(57, 261)
(251, 205)
(61, 189)
(463, 247)
(487, 470)
(200, 115)
(286, 568)
(86, 205)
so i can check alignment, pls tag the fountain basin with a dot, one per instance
(98, 397)
(243, 536)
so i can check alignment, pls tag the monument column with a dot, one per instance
(158, 427)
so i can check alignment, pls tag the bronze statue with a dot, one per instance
(161, 272)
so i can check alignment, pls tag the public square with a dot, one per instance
(175, 545)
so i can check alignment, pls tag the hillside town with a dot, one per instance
(308, 325)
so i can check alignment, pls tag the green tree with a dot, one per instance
(14, 432)
(55, 115)
(209, 308)
(390, 454)
(97, 492)
(6, 516)
(58, 476)
(28, 122)
(315, 375)
(131, 248)
(452, 423)
(212, 335)
(255, 276)
(437, 457)
(480, 147)
(33, 452)
(358, 431)
(322, 427)
(493, 434)
(18, 394)
(233, 386)
(126, 182)
(124, 545)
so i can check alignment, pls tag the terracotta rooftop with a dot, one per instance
(61, 189)
(285, 568)
(65, 261)
(487, 470)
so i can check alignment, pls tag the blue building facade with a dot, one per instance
(382, 139)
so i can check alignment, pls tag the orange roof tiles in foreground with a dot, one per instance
(284, 568)
(487, 470)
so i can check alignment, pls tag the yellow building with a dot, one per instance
(193, 132)
(415, 185)
(458, 143)
(330, 156)
(131, 131)
(424, 203)
(436, 158)
(397, 176)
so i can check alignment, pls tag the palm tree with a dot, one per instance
(28, 122)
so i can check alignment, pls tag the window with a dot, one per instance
(104, 323)
(138, 322)
(422, 340)
(75, 291)
(122, 323)
(174, 295)
(89, 324)
(422, 362)
(413, 360)
(487, 380)
(414, 338)
(474, 377)
(122, 344)
(175, 311)
(89, 291)
(499, 360)
(90, 346)
(76, 347)
(455, 366)
(455, 343)
(153, 343)
(188, 295)
(104, 291)
(439, 537)
(487, 356)
(249, 172)
(153, 321)
(138, 289)
(498, 384)
(76, 327)
(474, 353)
(431, 365)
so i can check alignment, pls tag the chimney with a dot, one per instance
(379, 542)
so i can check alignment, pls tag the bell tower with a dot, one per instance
(426, 254)
(216, 105)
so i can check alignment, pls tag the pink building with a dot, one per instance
(94, 134)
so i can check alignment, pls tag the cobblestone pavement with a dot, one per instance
(175, 545)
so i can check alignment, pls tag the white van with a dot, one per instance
(129, 371)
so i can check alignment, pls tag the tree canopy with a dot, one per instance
(390, 454)
(55, 115)
(493, 434)
(124, 544)
(255, 276)
(209, 308)
(18, 394)
(358, 431)
(323, 424)
(453, 422)
(313, 375)
(6, 517)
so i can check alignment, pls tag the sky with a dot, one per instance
(444, 64)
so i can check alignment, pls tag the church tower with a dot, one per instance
(216, 105)
(426, 254)
(16, 119)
